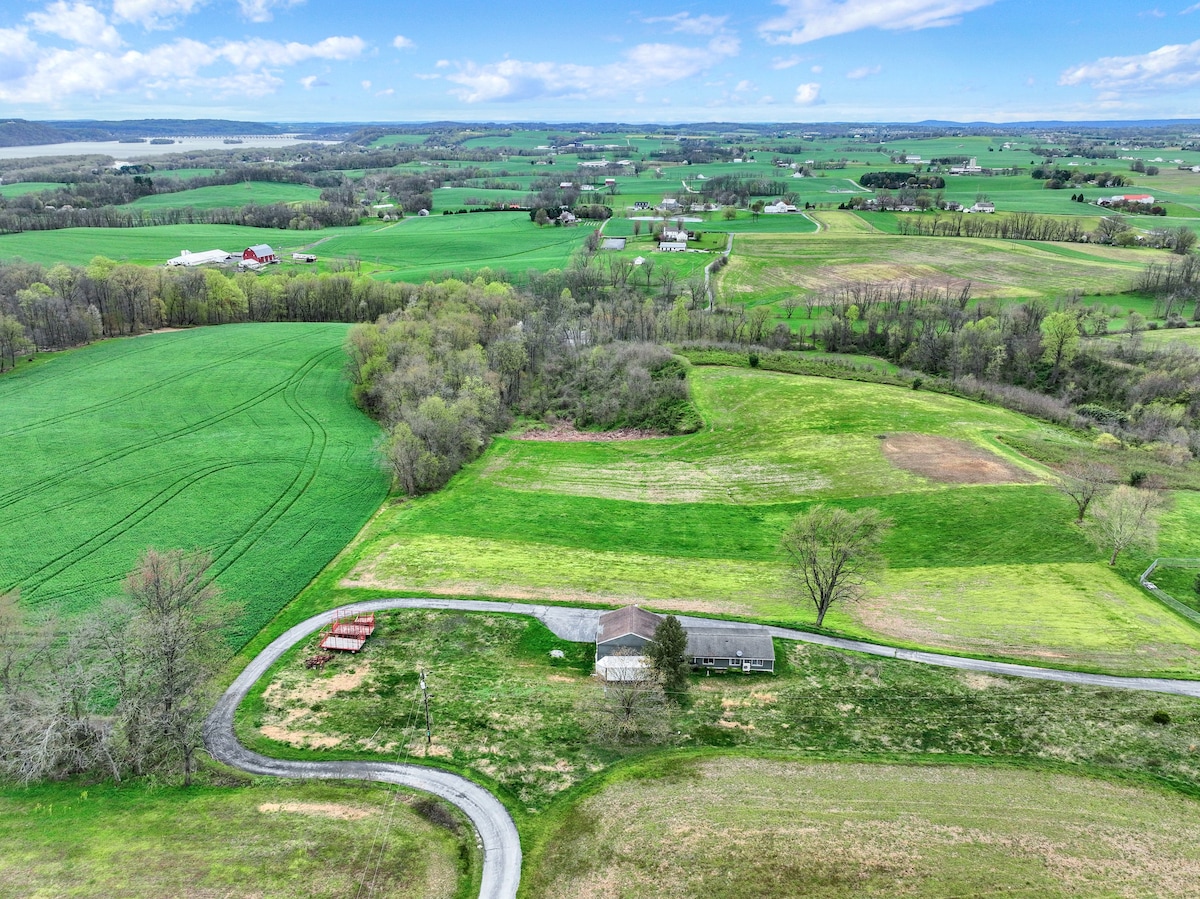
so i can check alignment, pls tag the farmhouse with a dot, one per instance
(983, 206)
(259, 253)
(622, 636)
(188, 258)
(1142, 199)
(669, 234)
(779, 207)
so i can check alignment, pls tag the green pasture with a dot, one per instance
(185, 173)
(1163, 337)
(767, 268)
(693, 523)
(273, 839)
(150, 245)
(393, 140)
(231, 195)
(240, 441)
(20, 188)
(454, 198)
(711, 825)
(416, 249)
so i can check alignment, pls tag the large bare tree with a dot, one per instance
(1084, 482)
(834, 553)
(1126, 517)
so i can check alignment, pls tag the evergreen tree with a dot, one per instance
(668, 657)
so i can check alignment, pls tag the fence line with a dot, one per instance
(1165, 597)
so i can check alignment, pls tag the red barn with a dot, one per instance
(260, 253)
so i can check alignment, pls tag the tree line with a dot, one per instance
(120, 691)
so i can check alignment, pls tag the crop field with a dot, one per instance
(989, 564)
(239, 440)
(146, 841)
(417, 248)
(767, 268)
(261, 192)
(147, 246)
(794, 828)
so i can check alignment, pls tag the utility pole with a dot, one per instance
(428, 723)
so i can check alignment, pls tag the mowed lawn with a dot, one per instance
(711, 827)
(992, 568)
(270, 840)
(239, 440)
(416, 249)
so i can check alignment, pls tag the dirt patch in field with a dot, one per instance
(950, 461)
(566, 432)
(299, 738)
(318, 810)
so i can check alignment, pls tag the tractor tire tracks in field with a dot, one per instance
(494, 826)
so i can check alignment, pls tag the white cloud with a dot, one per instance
(1172, 67)
(807, 94)
(817, 70)
(1152, 14)
(686, 23)
(810, 20)
(366, 85)
(786, 63)
(400, 42)
(427, 76)
(263, 10)
(258, 53)
(308, 81)
(863, 72)
(153, 13)
(386, 92)
(644, 65)
(76, 22)
(1190, 9)
(32, 74)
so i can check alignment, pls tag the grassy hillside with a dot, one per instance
(797, 829)
(232, 195)
(270, 840)
(989, 564)
(239, 440)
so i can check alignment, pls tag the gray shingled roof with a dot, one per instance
(725, 642)
(629, 620)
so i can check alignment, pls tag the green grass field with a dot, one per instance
(239, 440)
(271, 839)
(768, 268)
(20, 188)
(711, 826)
(418, 248)
(992, 567)
(231, 195)
(148, 246)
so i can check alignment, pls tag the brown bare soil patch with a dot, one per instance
(950, 461)
(299, 738)
(318, 809)
(566, 432)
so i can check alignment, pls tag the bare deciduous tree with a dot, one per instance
(1084, 482)
(834, 553)
(1126, 517)
(632, 707)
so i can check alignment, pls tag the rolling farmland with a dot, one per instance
(240, 441)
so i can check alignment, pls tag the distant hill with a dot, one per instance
(21, 133)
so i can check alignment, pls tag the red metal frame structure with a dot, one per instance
(348, 632)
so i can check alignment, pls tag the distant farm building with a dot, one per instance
(672, 246)
(304, 257)
(613, 243)
(188, 258)
(1141, 199)
(779, 207)
(669, 234)
(983, 206)
(261, 254)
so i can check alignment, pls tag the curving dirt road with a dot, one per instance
(495, 828)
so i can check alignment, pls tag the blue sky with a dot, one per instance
(468, 60)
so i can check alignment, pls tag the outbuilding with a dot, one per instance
(260, 253)
(205, 257)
